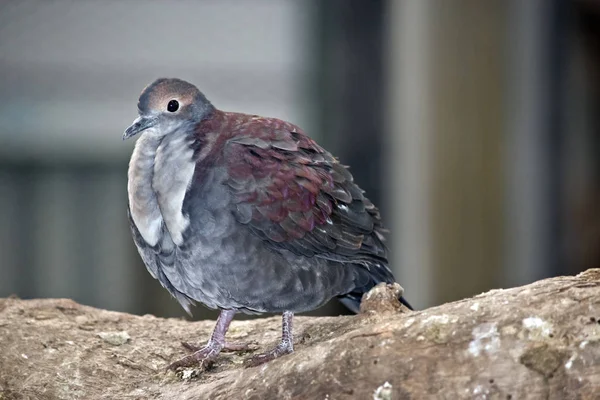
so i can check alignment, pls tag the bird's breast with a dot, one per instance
(143, 202)
(160, 174)
(174, 167)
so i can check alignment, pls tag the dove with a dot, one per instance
(244, 213)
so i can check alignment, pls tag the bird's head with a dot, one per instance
(166, 105)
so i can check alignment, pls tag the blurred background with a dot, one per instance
(473, 125)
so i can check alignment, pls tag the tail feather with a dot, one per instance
(351, 302)
(406, 303)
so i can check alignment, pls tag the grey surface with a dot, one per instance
(71, 74)
(72, 71)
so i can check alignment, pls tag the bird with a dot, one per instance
(245, 213)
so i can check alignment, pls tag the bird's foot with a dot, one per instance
(204, 356)
(228, 347)
(282, 349)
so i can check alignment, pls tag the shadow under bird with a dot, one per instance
(245, 214)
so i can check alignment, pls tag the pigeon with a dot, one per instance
(244, 213)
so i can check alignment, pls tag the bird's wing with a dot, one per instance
(296, 196)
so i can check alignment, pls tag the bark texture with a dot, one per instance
(540, 341)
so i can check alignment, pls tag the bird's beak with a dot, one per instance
(140, 124)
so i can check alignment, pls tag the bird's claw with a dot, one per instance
(191, 347)
(228, 347)
(262, 358)
(204, 357)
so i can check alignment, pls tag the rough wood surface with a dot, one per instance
(540, 341)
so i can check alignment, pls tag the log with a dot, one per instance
(540, 341)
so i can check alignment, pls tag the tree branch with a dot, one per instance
(537, 341)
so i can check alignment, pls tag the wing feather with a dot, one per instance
(296, 196)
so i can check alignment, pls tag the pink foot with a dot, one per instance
(203, 357)
(286, 346)
(281, 350)
(228, 347)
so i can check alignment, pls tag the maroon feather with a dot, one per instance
(298, 195)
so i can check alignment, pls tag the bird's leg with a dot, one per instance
(207, 354)
(286, 346)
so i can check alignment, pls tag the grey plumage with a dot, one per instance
(246, 213)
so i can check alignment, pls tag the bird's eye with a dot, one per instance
(173, 106)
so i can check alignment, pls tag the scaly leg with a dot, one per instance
(286, 346)
(207, 354)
